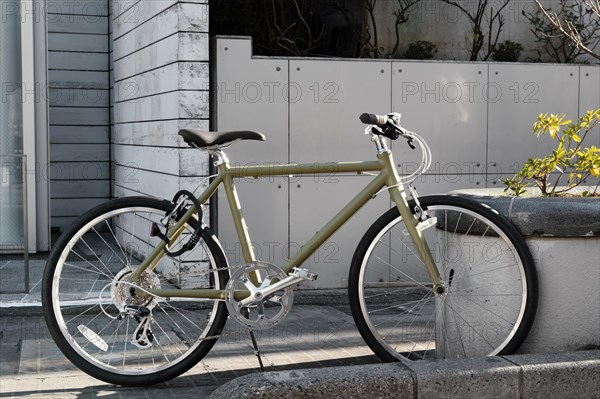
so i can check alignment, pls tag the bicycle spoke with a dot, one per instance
(401, 272)
(455, 313)
(98, 271)
(486, 309)
(483, 275)
(109, 247)
(422, 303)
(117, 241)
(390, 292)
(96, 256)
(395, 306)
(86, 292)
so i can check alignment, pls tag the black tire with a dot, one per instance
(85, 287)
(491, 281)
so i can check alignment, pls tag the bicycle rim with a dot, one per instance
(90, 289)
(483, 311)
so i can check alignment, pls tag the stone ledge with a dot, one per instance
(573, 375)
(565, 375)
(543, 216)
(381, 380)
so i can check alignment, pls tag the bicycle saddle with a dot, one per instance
(201, 138)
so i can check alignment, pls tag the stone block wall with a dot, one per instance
(160, 85)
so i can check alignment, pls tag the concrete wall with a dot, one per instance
(78, 96)
(450, 29)
(476, 117)
(160, 78)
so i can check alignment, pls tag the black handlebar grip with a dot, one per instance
(372, 119)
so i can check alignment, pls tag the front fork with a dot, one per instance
(414, 225)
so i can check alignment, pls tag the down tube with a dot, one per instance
(336, 222)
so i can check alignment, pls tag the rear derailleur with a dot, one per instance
(142, 336)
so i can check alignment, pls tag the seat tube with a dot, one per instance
(398, 195)
(237, 215)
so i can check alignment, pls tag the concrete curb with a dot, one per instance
(562, 375)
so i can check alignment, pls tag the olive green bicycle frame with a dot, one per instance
(387, 177)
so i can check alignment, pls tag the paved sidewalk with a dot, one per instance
(31, 366)
(315, 352)
(12, 282)
(318, 332)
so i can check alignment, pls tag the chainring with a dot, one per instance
(266, 312)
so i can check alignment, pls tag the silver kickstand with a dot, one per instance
(246, 313)
(256, 350)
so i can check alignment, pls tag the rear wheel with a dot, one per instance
(491, 292)
(106, 331)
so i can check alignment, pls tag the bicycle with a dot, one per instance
(138, 289)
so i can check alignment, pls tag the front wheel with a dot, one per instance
(117, 335)
(491, 291)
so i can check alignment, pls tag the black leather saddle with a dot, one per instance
(201, 138)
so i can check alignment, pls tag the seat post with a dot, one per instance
(219, 154)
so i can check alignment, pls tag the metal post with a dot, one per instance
(25, 226)
(25, 216)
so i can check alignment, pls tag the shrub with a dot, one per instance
(507, 51)
(569, 158)
(420, 50)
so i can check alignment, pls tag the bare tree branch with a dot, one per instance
(370, 4)
(367, 32)
(594, 6)
(401, 15)
(568, 28)
(477, 16)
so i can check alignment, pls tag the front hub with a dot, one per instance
(440, 289)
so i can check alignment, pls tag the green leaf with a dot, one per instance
(578, 163)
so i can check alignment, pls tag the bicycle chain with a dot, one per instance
(221, 269)
(217, 270)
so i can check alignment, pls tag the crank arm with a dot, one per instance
(296, 276)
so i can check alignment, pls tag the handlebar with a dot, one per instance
(387, 126)
(373, 119)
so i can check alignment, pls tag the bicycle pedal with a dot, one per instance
(304, 274)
